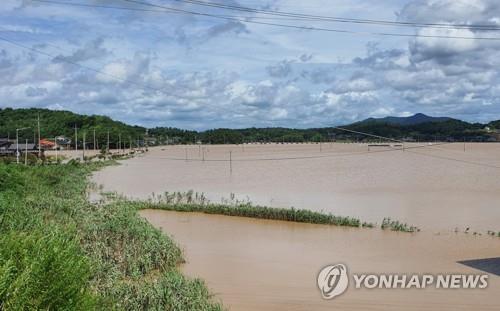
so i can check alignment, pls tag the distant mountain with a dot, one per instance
(415, 119)
(495, 124)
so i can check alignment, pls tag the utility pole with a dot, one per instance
(94, 141)
(107, 147)
(83, 154)
(231, 162)
(55, 141)
(17, 143)
(39, 139)
(76, 138)
(17, 146)
(120, 142)
(26, 153)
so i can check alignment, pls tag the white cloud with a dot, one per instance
(196, 72)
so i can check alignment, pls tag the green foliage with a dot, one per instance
(42, 271)
(395, 225)
(56, 123)
(191, 202)
(60, 252)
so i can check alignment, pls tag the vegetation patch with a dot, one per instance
(394, 225)
(58, 251)
(195, 202)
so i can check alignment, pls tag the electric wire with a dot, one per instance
(170, 10)
(337, 19)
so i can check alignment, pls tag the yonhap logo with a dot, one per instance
(333, 281)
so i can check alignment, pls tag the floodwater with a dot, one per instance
(252, 264)
(438, 187)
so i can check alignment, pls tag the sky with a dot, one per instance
(198, 72)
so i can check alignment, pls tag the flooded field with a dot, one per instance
(437, 187)
(269, 265)
(254, 264)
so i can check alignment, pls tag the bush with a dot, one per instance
(43, 271)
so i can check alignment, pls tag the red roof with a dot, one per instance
(47, 143)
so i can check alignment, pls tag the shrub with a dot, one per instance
(42, 271)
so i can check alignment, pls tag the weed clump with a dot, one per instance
(394, 225)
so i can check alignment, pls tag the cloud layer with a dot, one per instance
(197, 72)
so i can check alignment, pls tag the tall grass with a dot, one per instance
(58, 251)
(195, 202)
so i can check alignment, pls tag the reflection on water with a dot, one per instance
(269, 265)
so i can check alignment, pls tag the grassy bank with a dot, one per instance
(60, 252)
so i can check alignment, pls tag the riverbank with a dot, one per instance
(59, 251)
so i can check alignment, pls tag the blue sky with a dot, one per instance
(198, 72)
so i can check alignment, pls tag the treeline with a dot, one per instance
(62, 123)
(450, 130)
(57, 123)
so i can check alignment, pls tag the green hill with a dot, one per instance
(62, 123)
(56, 123)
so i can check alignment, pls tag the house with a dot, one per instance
(4, 146)
(9, 148)
(4, 143)
(23, 147)
(63, 143)
(47, 144)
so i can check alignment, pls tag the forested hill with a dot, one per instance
(417, 127)
(62, 123)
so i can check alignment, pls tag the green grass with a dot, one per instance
(60, 252)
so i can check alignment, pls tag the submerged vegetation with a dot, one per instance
(394, 225)
(195, 202)
(58, 251)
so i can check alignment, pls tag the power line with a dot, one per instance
(457, 160)
(337, 19)
(423, 154)
(170, 10)
(277, 15)
(367, 134)
(160, 11)
(294, 158)
(313, 28)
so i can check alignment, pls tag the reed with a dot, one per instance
(394, 225)
(195, 202)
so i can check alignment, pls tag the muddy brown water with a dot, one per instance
(254, 264)
(436, 187)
